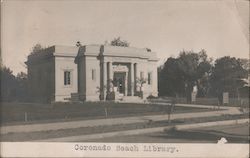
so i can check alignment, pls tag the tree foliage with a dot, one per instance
(118, 42)
(36, 49)
(13, 88)
(171, 82)
(227, 76)
(179, 75)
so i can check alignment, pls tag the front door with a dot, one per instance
(119, 81)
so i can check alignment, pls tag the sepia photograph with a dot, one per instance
(123, 78)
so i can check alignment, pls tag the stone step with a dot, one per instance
(132, 99)
(74, 97)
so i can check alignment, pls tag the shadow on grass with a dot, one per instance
(208, 135)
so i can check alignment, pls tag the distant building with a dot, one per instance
(92, 73)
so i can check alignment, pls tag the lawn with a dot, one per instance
(233, 134)
(15, 112)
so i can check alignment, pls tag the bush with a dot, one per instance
(152, 97)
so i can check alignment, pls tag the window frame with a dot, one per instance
(93, 74)
(67, 77)
(149, 78)
(141, 74)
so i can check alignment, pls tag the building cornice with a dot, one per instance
(101, 51)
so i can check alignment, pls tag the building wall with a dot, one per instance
(145, 67)
(92, 82)
(152, 68)
(81, 64)
(63, 92)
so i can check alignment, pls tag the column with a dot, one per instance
(110, 76)
(126, 84)
(132, 79)
(104, 73)
(135, 78)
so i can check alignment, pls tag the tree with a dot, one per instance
(13, 88)
(203, 72)
(140, 82)
(170, 79)
(22, 89)
(245, 63)
(36, 49)
(179, 75)
(8, 84)
(227, 76)
(245, 91)
(170, 109)
(188, 63)
(118, 42)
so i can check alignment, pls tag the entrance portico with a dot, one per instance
(110, 72)
(119, 78)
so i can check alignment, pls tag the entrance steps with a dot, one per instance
(75, 97)
(132, 99)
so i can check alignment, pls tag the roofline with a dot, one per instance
(52, 51)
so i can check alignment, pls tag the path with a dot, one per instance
(142, 131)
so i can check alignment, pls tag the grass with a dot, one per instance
(15, 112)
(112, 128)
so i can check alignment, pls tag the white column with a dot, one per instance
(132, 78)
(135, 78)
(126, 84)
(104, 73)
(110, 75)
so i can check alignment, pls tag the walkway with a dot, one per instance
(142, 131)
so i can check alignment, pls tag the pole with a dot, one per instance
(25, 116)
(106, 112)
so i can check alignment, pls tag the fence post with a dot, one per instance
(25, 116)
(106, 112)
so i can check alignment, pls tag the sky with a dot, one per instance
(221, 27)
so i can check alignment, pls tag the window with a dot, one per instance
(149, 78)
(93, 74)
(141, 74)
(67, 78)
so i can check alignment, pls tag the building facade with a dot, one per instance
(92, 73)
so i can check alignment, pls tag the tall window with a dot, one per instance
(93, 74)
(141, 74)
(67, 78)
(149, 78)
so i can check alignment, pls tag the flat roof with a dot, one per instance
(93, 50)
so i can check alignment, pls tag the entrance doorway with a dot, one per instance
(119, 81)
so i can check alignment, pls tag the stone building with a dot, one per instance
(92, 73)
